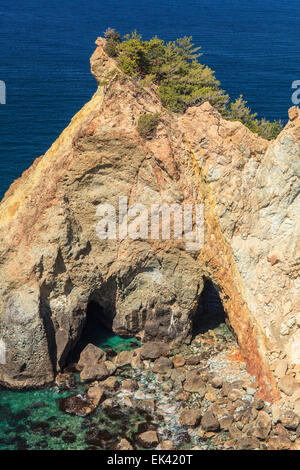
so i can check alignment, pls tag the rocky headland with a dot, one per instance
(53, 266)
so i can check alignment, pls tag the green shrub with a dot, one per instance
(111, 48)
(113, 39)
(182, 81)
(147, 124)
(238, 111)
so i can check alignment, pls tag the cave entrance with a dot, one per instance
(210, 313)
(97, 330)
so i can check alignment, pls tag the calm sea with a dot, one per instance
(254, 47)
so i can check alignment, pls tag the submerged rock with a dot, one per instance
(65, 381)
(81, 405)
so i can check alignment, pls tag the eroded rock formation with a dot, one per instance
(52, 263)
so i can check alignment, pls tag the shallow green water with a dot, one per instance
(27, 417)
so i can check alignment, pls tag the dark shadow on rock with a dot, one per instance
(210, 312)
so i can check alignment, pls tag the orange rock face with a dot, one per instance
(53, 263)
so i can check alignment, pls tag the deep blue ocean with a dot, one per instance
(253, 45)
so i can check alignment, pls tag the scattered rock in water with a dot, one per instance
(130, 385)
(209, 422)
(248, 443)
(77, 405)
(288, 385)
(42, 444)
(166, 445)
(69, 437)
(148, 439)
(114, 412)
(190, 417)
(262, 425)
(194, 383)
(94, 372)
(100, 438)
(146, 405)
(162, 365)
(110, 384)
(95, 394)
(154, 350)
(40, 427)
(65, 381)
(216, 382)
(90, 356)
(56, 432)
(124, 358)
(178, 361)
(123, 444)
(289, 420)
(181, 438)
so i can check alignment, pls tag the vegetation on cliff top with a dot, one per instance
(181, 79)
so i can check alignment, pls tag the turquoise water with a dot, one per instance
(28, 418)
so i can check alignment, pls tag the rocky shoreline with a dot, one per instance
(198, 396)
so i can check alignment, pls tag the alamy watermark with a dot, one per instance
(2, 352)
(296, 94)
(159, 222)
(2, 92)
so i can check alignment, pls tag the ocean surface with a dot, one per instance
(254, 47)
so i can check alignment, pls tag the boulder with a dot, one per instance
(95, 393)
(178, 360)
(209, 422)
(154, 350)
(147, 439)
(262, 425)
(111, 384)
(288, 385)
(289, 420)
(162, 365)
(297, 406)
(123, 444)
(124, 358)
(216, 381)
(279, 443)
(248, 443)
(194, 383)
(146, 405)
(166, 445)
(190, 417)
(94, 372)
(110, 367)
(130, 385)
(91, 355)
